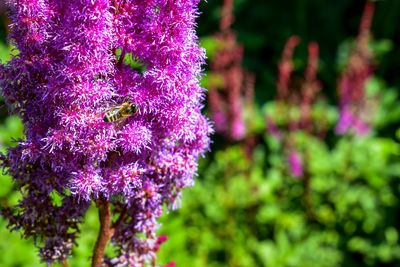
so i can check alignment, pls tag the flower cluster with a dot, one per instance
(72, 69)
(351, 85)
(294, 93)
(296, 98)
(235, 89)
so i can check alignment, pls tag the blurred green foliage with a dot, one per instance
(249, 211)
(246, 212)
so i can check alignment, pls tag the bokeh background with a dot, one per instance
(304, 167)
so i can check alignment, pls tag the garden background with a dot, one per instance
(303, 171)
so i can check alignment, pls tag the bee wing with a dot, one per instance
(113, 108)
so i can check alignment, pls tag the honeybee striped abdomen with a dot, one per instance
(112, 115)
(116, 113)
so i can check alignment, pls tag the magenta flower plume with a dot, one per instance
(228, 98)
(73, 69)
(295, 164)
(351, 84)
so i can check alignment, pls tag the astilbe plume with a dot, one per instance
(227, 100)
(351, 84)
(294, 105)
(71, 68)
(295, 96)
(295, 164)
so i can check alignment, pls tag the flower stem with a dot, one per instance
(105, 232)
(307, 196)
(65, 263)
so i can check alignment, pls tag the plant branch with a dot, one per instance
(121, 59)
(120, 219)
(307, 196)
(65, 263)
(105, 232)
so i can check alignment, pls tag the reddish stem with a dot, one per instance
(105, 232)
(307, 195)
(120, 219)
(65, 263)
(121, 60)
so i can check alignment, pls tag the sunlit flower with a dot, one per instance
(71, 69)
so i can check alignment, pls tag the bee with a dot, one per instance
(113, 114)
